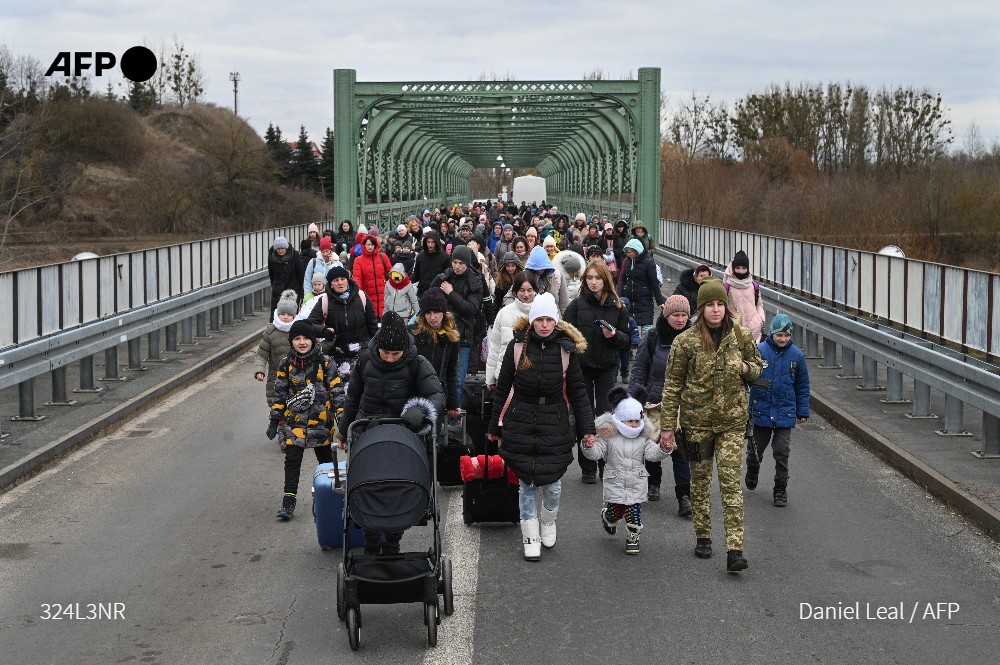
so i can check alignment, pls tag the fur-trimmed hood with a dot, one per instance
(569, 331)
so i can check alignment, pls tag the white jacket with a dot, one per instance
(501, 334)
(626, 480)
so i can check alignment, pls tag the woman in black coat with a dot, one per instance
(343, 239)
(431, 261)
(437, 339)
(531, 403)
(598, 302)
(285, 270)
(345, 318)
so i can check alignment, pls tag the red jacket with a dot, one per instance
(370, 271)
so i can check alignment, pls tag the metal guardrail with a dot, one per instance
(962, 378)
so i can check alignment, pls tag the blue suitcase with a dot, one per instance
(328, 508)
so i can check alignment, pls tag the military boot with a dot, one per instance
(735, 561)
(780, 495)
(703, 548)
(683, 493)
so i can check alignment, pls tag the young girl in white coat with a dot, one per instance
(625, 440)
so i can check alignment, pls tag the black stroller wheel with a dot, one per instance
(341, 604)
(448, 592)
(431, 619)
(354, 628)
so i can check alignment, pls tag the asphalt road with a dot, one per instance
(172, 518)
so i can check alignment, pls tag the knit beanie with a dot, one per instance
(628, 409)
(580, 217)
(318, 277)
(303, 328)
(571, 263)
(510, 257)
(711, 289)
(434, 300)
(287, 304)
(678, 303)
(594, 250)
(335, 272)
(325, 243)
(463, 254)
(281, 242)
(543, 305)
(549, 242)
(741, 260)
(635, 244)
(392, 334)
(508, 227)
(313, 227)
(781, 323)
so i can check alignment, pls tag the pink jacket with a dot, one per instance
(741, 303)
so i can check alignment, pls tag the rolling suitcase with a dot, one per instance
(328, 507)
(454, 446)
(478, 404)
(490, 500)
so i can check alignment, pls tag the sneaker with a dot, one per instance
(780, 497)
(703, 548)
(735, 561)
(654, 493)
(589, 479)
(684, 506)
(632, 542)
(287, 508)
(751, 479)
(610, 527)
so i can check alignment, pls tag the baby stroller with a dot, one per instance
(391, 486)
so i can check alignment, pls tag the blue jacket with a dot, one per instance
(788, 396)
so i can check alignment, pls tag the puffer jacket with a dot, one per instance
(429, 265)
(284, 272)
(602, 353)
(443, 357)
(401, 297)
(744, 301)
(688, 288)
(500, 335)
(640, 285)
(378, 388)
(353, 321)
(537, 441)
(650, 364)
(309, 428)
(465, 300)
(370, 271)
(788, 396)
(706, 385)
(626, 480)
(273, 347)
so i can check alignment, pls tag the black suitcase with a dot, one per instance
(493, 500)
(478, 404)
(455, 445)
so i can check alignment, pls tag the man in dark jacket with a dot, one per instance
(285, 270)
(463, 287)
(689, 282)
(430, 262)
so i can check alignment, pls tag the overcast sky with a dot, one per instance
(285, 52)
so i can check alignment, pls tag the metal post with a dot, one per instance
(171, 334)
(894, 383)
(227, 313)
(869, 374)
(953, 416)
(345, 151)
(187, 332)
(87, 376)
(829, 355)
(648, 151)
(26, 402)
(153, 347)
(812, 345)
(847, 359)
(991, 438)
(237, 310)
(258, 301)
(59, 388)
(111, 365)
(213, 319)
(248, 306)
(135, 356)
(921, 401)
(202, 324)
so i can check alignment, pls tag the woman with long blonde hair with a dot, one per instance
(437, 339)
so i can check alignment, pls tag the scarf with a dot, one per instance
(745, 283)
(625, 430)
(281, 325)
(401, 284)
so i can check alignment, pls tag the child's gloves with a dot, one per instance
(303, 400)
(272, 429)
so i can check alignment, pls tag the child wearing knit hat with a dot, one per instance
(633, 441)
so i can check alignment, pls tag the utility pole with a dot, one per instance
(235, 78)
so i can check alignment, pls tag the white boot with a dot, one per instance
(547, 527)
(532, 546)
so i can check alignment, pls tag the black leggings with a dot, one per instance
(293, 464)
(598, 383)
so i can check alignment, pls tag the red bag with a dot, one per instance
(471, 468)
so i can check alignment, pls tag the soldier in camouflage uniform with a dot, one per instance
(704, 384)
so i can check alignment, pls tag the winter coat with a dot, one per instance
(502, 247)
(343, 240)
(706, 385)
(494, 238)
(317, 266)
(688, 288)
(501, 334)
(626, 480)
(536, 441)
(353, 321)
(645, 240)
(650, 364)
(371, 269)
(622, 236)
(443, 357)
(397, 251)
(401, 298)
(284, 272)
(548, 278)
(602, 353)
(640, 285)
(788, 396)
(465, 300)
(378, 388)
(309, 428)
(746, 302)
(572, 283)
(429, 265)
(273, 347)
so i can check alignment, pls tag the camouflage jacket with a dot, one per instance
(311, 426)
(707, 386)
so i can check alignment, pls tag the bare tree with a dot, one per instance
(184, 75)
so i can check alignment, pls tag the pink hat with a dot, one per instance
(677, 303)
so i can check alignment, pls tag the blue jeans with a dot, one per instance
(527, 498)
(462, 369)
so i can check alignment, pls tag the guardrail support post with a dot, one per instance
(213, 319)
(952, 418)
(991, 438)
(171, 335)
(258, 300)
(153, 347)
(59, 388)
(869, 374)
(894, 382)
(135, 355)
(921, 401)
(202, 324)
(847, 357)
(26, 402)
(227, 314)
(87, 376)
(248, 306)
(187, 332)
(829, 355)
(812, 345)
(111, 365)
(237, 310)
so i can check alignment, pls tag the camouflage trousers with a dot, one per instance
(729, 462)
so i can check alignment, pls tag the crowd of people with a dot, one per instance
(584, 354)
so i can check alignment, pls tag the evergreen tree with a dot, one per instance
(326, 170)
(141, 97)
(305, 168)
(281, 153)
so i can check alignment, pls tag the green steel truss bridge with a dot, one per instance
(401, 146)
